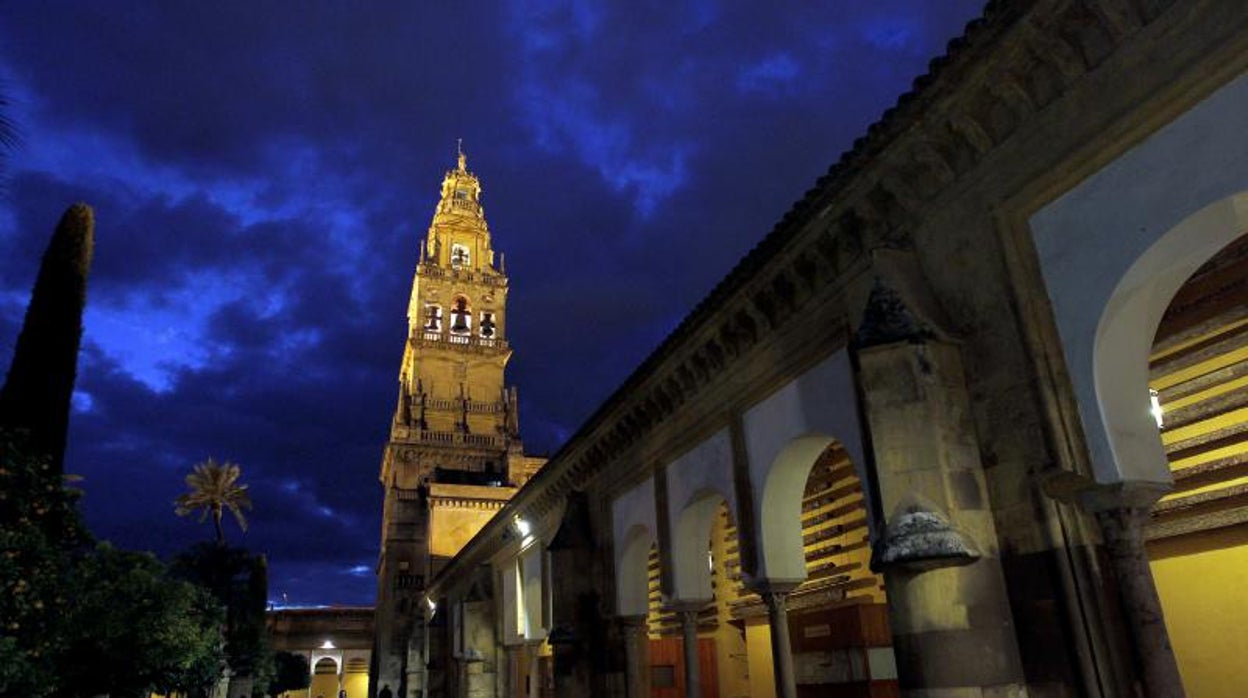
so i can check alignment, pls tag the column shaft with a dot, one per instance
(689, 626)
(781, 652)
(1123, 529)
(637, 683)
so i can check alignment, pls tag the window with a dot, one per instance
(406, 580)
(461, 195)
(461, 316)
(433, 318)
(459, 256)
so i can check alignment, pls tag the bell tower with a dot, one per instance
(454, 456)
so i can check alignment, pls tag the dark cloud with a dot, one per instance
(262, 174)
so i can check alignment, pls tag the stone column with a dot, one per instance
(636, 651)
(689, 630)
(781, 652)
(953, 630)
(1123, 514)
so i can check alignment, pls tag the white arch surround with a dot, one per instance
(633, 523)
(691, 541)
(697, 482)
(784, 435)
(1114, 250)
(533, 587)
(334, 656)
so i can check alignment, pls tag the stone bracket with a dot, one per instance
(918, 538)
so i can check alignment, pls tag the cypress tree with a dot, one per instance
(8, 133)
(36, 395)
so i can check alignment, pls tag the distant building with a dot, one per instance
(337, 642)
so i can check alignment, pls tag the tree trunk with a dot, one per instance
(217, 513)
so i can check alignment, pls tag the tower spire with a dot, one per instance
(463, 159)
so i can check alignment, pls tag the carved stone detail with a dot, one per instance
(887, 320)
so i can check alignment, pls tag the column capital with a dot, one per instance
(687, 605)
(632, 624)
(1098, 497)
(774, 587)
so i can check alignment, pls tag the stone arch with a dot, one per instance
(780, 516)
(534, 568)
(1130, 319)
(691, 538)
(698, 482)
(785, 434)
(634, 526)
(319, 659)
(1113, 250)
(632, 585)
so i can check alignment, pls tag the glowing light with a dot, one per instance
(523, 527)
(327, 645)
(710, 561)
(1155, 407)
(433, 606)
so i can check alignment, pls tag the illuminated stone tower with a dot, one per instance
(454, 456)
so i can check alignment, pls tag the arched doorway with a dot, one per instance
(324, 679)
(1198, 535)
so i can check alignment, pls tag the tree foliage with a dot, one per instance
(238, 581)
(41, 538)
(36, 394)
(214, 488)
(8, 135)
(290, 673)
(138, 629)
(77, 620)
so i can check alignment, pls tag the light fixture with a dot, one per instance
(327, 645)
(433, 606)
(1155, 407)
(522, 526)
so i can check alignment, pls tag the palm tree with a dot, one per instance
(214, 488)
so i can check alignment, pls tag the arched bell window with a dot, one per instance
(459, 256)
(433, 318)
(461, 316)
(487, 324)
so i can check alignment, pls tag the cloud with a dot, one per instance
(262, 175)
(769, 73)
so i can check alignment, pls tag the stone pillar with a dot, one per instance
(1123, 514)
(781, 652)
(689, 632)
(637, 656)
(953, 629)
(585, 648)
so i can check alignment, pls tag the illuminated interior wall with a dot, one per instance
(355, 681)
(1198, 537)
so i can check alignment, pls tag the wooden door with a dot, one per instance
(667, 668)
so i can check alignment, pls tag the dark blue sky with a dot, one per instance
(262, 173)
